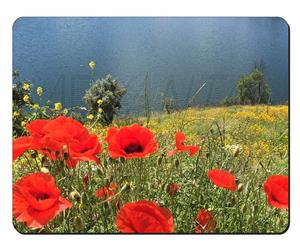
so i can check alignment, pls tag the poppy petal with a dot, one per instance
(223, 179)
(20, 145)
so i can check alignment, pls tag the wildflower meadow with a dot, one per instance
(195, 170)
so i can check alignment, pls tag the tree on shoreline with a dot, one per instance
(253, 88)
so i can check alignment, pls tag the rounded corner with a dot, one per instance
(286, 229)
(284, 21)
(17, 20)
(14, 227)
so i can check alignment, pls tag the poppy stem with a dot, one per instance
(140, 182)
(197, 161)
(28, 161)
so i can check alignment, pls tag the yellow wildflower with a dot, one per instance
(100, 110)
(58, 106)
(266, 117)
(39, 91)
(35, 106)
(256, 129)
(246, 114)
(26, 98)
(23, 124)
(92, 65)
(90, 117)
(26, 86)
(99, 102)
(15, 114)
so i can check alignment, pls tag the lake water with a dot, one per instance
(179, 54)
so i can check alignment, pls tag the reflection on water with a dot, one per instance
(180, 55)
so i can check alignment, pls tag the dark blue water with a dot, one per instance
(180, 55)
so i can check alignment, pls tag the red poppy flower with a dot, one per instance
(86, 150)
(20, 145)
(223, 179)
(113, 186)
(63, 137)
(180, 147)
(86, 179)
(173, 188)
(132, 141)
(36, 200)
(104, 192)
(205, 222)
(54, 134)
(144, 217)
(277, 190)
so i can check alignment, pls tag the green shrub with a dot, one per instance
(103, 99)
(169, 105)
(230, 100)
(253, 88)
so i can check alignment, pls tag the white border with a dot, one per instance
(11, 10)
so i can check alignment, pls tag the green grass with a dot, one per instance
(261, 133)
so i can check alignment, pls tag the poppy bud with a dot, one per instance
(240, 187)
(176, 163)
(45, 162)
(66, 156)
(236, 153)
(44, 170)
(243, 208)
(113, 186)
(100, 171)
(34, 154)
(57, 154)
(119, 204)
(232, 201)
(104, 162)
(159, 160)
(75, 196)
(85, 179)
(130, 186)
(65, 148)
(78, 224)
(172, 189)
(125, 187)
(160, 203)
(254, 208)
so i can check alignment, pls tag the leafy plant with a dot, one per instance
(103, 99)
(230, 100)
(253, 88)
(168, 105)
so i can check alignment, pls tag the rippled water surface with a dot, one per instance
(180, 55)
